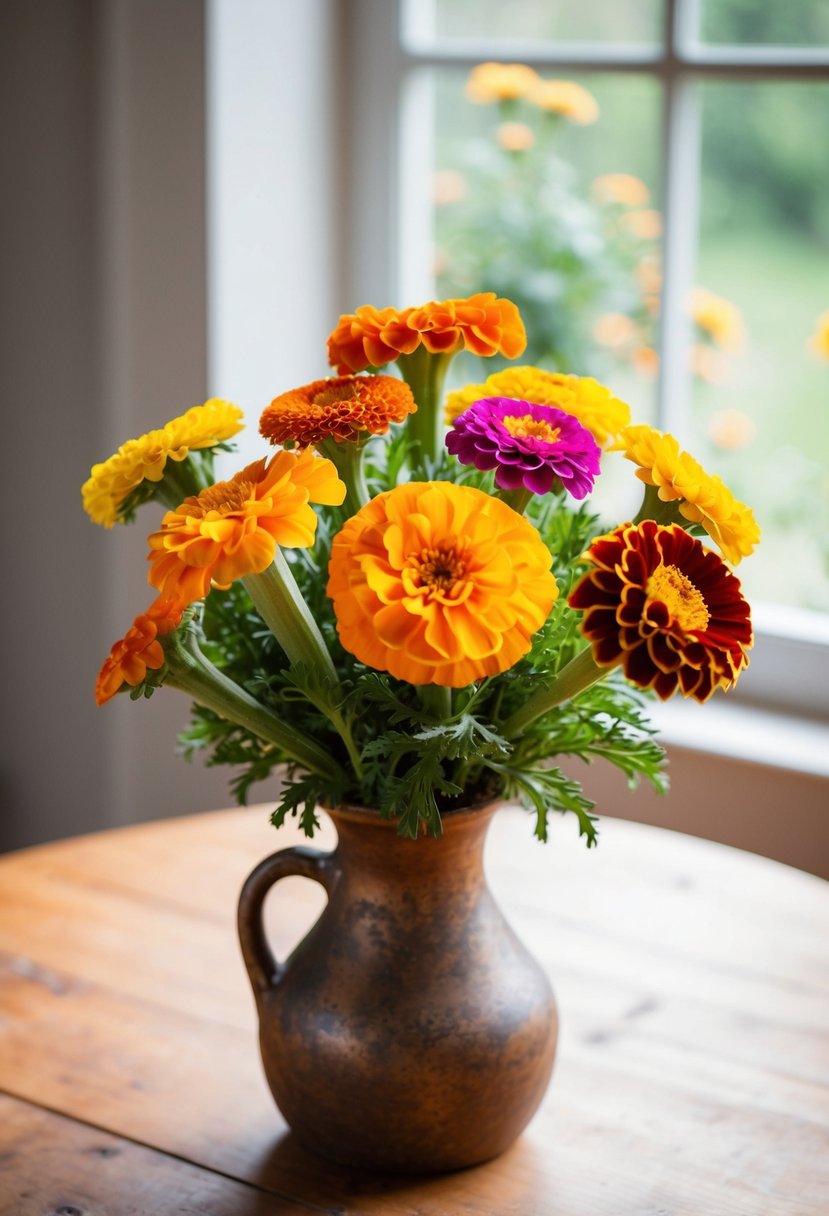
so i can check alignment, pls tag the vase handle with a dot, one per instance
(264, 971)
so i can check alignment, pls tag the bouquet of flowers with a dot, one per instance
(410, 604)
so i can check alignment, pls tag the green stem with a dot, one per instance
(655, 508)
(347, 457)
(280, 603)
(519, 500)
(436, 700)
(579, 674)
(181, 480)
(188, 670)
(282, 607)
(425, 374)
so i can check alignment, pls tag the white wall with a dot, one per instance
(104, 331)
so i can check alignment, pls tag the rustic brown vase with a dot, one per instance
(410, 1030)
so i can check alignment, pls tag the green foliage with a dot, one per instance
(527, 229)
(414, 763)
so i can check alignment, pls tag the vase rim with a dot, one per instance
(353, 813)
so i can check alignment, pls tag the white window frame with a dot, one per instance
(390, 43)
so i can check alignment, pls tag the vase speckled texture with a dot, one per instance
(410, 1030)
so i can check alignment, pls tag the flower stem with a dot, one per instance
(347, 458)
(181, 480)
(579, 674)
(436, 700)
(188, 670)
(425, 374)
(655, 508)
(519, 500)
(280, 603)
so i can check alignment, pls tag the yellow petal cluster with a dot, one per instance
(621, 188)
(144, 459)
(703, 497)
(717, 317)
(490, 82)
(438, 583)
(595, 407)
(572, 101)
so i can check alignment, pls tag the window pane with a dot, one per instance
(558, 211)
(762, 359)
(802, 23)
(622, 21)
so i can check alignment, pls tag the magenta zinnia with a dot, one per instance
(534, 447)
(665, 609)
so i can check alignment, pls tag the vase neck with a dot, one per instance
(371, 843)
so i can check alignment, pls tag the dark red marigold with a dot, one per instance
(665, 609)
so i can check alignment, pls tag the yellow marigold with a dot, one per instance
(819, 341)
(139, 650)
(707, 363)
(342, 407)
(232, 529)
(703, 499)
(645, 225)
(144, 459)
(732, 429)
(645, 361)
(621, 188)
(490, 82)
(604, 415)
(649, 275)
(717, 317)
(439, 584)
(372, 337)
(615, 329)
(567, 98)
(514, 136)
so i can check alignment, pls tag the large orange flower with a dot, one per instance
(372, 337)
(232, 529)
(439, 584)
(139, 650)
(665, 609)
(342, 407)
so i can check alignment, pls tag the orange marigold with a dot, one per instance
(232, 529)
(139, 650)
(342, 407)
(665, 609)
(482, 324)
(438, 583)
(372, 337)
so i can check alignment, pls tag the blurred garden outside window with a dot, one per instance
(719, 110)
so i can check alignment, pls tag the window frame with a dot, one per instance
(391, 43)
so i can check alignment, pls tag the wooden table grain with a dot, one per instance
(693, 1068)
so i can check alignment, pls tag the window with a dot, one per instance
(728, 102)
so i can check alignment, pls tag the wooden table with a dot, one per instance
(692, 1074)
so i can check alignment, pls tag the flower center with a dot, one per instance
(679, 595)
(335, 394)
(438, 569)
(224, 497)
(524, 426)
